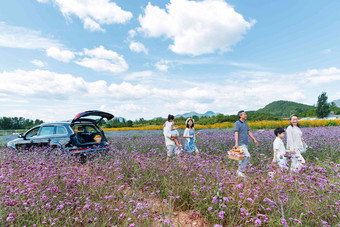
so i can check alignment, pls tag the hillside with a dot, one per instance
(284, 108)
(190, 114)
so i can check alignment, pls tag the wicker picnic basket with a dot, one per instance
(97, 139)
(236, 154)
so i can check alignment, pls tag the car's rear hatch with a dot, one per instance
(86, 129)
(94, 116)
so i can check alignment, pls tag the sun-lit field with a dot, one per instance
(132, 186)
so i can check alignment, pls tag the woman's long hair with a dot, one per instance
(187, 122)
(290, 119)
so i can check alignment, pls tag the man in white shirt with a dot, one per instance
(171, 147)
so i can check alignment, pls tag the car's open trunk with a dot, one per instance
(85, 135)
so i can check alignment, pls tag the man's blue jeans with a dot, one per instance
(243, 163)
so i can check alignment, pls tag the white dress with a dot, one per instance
(294, 135)
(168, 128)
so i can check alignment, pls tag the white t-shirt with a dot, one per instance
(280, 147)
(186, 133)
(294, 142)
(167, 136)
(168, 126)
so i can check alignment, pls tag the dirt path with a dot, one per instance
(188, 218)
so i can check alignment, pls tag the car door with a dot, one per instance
(28, 137)
(45, 135)
(60, 138)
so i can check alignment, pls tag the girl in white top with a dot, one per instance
(295, 142)
(170, 127)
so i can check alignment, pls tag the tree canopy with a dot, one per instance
(323, 107)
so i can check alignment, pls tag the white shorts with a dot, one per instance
(172, 150)
(282, 162)
(173, 132)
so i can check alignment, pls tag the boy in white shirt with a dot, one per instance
(279, 149)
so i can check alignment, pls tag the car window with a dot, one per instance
(46, 130)
(60, 130)
(32, 133)
(79, 128)
(91, 129)
(85, 129)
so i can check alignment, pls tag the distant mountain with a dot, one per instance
(190, 114)
(337, 102)
(284, 108)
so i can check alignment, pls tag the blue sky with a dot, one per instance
(151, 58)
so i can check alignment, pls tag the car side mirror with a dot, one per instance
(21, 136)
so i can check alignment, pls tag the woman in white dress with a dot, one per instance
(295, 142)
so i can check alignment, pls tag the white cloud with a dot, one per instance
(198, 93)
(132, 33)
(91, 25)
(44, 91)
(60, 55)
(139, 75)
(101, 52)
(20, 37)
(128, 91)
(245, 65)
(123, 109)
(44, 84)
(138, 47)
(196, 27)
(187, 104)
(93, 13)
(38, 63)
(129, 108)
(321, 76)
(102, 65)
(100, 59)
(326, 51)
(162, 65)
(41, 84)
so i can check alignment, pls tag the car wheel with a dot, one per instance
(20, 148)
(56, 150)
(82, 159)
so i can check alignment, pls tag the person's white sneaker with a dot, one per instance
(240, 174)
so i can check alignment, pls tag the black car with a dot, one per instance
(80, 136)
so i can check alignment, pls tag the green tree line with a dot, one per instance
(203, 120)
(273, 113)
(7, 123)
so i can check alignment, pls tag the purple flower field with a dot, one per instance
(132, 186)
